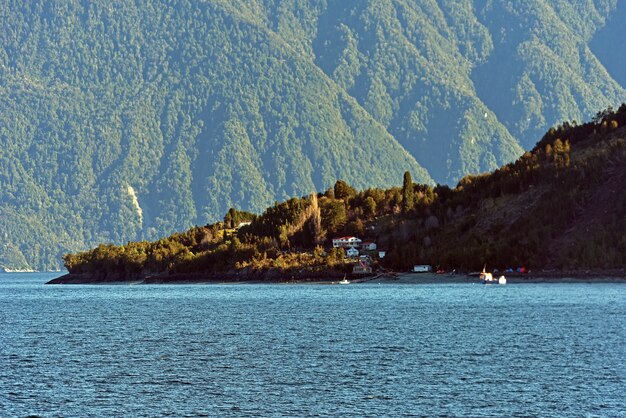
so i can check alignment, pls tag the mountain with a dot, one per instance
(124, 120)
(560, 206)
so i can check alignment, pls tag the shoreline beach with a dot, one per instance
(609, 276)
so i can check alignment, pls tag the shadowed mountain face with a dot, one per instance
(127, 120)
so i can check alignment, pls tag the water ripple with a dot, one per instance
(526, 350)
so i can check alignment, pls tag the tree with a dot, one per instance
(335, 257)
(369, 207)
(334, 215)
(229, 218)
(343, 190)
(408, 194)
(548, 152)
(315, 220)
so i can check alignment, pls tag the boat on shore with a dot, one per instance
(487, 278)
(344, 281)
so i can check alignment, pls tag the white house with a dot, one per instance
(368, 246)
(382, 254)
(352, 252)
(422, 268)
(346, 242)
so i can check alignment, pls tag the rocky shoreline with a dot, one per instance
(241, 276)
(332, 276)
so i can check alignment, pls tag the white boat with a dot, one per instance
(487, 278)
(344, 281)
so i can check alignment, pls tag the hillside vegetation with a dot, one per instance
(126, 120)
(561, 205)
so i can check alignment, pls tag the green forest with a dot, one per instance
(127, 120)
(561, 206)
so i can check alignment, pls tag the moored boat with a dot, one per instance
(487, 278)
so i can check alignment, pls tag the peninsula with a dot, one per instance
(560, 206)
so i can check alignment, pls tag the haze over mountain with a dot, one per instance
(127, 120)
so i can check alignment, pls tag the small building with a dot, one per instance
(382, 254)
(368, 246)
(240, 224)
(352, 252)
(346, 242)
(422, 268)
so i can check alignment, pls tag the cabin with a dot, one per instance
(352, 252)
(422, 268)
(368, 246)
(382, 254)
(346, 242)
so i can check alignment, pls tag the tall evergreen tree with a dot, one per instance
(408, 194)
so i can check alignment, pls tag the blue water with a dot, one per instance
(300, 350)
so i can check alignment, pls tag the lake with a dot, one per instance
(301, 350)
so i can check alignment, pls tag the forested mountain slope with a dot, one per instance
(124, 120)
(560, 206)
